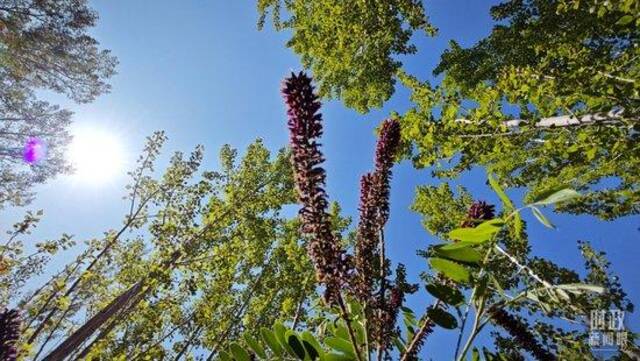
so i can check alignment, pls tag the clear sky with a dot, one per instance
(201, 71)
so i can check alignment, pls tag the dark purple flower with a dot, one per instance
(9, 334)
(478, 212)
(521, 334)
(34, 150)
(331, 263)
(374, 208)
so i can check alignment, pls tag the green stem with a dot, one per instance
(474, 332)
(347, 321)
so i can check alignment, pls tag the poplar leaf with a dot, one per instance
(451, 269)
(542, 218)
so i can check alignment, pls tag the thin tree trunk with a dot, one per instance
(186, 346)
(55, 328)
(86, 330)
(134, 302)
(76, 283)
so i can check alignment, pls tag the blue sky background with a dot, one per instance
(201, 71)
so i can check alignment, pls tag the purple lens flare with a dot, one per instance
(34, 150)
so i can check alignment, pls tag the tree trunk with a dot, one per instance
(84, 332)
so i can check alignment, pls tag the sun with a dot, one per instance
(96, 155)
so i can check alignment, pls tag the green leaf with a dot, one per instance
(466, 254)
(296, 346)
(224, 356)
(354, 307)
(308, 338)
(475, 355)
(340, 345)
(239, 353)
(311, 350)
(506, 202)
(478, 235)
(624, 20)
(542, 218)
(271, 341)
(340, 330)
(255, 346)
(442, 318)
(337, 357)
(409, 321)
(280, 332)
(446, 294)
(358, 328)
(517, 224)
(497, 286)
(399, 344)
(456, 246)
(580, 287)
(452, 270)
(470, 235)
(562, 195)
(500, 192)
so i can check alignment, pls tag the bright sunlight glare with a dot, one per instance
(96, 155)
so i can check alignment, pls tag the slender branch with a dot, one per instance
(460, 334)
(347, 321)
(618, 78)
(427, 324)
(522, 267)
(186, 346)
(561, 121)
(93, 263)
(303, 297)
(474, 332)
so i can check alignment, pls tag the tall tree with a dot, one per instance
(550, 97)
(43, 45)
(482, 269)
(199, 259)
(351, 47)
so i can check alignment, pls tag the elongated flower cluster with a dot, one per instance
(386, 149)
(9, 334)
(305, 127)
(521, 334)
(478, 212)
(384, 326)
(374, 207)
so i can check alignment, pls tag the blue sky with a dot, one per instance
(201, 71)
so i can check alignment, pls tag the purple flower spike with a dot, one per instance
(34, 150)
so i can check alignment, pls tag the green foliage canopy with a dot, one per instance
(351, 47)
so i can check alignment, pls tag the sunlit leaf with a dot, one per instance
(451, 269)
(562, 195)
(255, 346)
(540, 217)
(239, 353)
(340, 345)
(271, 341)
(465, 254)
(478, 235)
(222, 355)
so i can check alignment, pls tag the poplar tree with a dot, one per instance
(44, 45)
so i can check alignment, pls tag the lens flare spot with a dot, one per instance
(34, 150)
